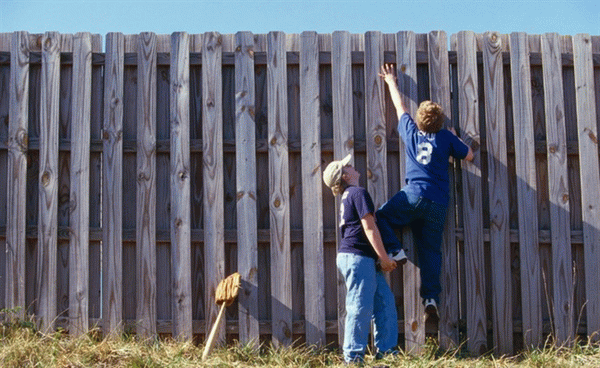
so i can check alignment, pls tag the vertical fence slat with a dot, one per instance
(343, 138)
(526, 189)
(146, 187)
(439, 80)
(180, 186)
(406, 69)
(212, 158)
(112, 185)
(375, 119)
(48, 189)
(472, 201)
(281, 283)
(80, 184)
(312, 196)
(245, 136)
(590, 175)
(498, 192)
(17, 172)
(558, 188)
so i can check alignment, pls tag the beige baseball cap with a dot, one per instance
(333, 171)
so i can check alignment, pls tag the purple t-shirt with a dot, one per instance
(427, 159)
(356, 204)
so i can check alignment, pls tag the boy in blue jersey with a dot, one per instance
(368, 295)
(423, 201)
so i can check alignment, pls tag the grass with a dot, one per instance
(21, 345)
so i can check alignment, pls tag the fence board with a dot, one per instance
(180, 186)
(17, 172)
(80, 185)
(439, 81)
(112, 184)
(146, 187)
(343, 139)
(212, 142)
(406, 69)
(472, 201)
(498, 192)
(590, 175)
(245, 136)
(281, 295)
(312, 197)
(558, 186)
(526, 189)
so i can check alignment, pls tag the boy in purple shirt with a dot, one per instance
(368, 295)
(423, 201)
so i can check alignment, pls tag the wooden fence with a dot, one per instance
(135, 179)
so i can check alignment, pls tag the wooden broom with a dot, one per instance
(226, 292)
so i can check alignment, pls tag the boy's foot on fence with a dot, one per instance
(431, 310)
(399, 256)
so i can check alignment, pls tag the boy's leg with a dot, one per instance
(394, 214)
(359, 273)
(385, 331)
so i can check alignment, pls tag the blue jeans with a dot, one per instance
(426, 219)
(368, 297)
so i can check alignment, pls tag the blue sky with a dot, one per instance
(566, 17)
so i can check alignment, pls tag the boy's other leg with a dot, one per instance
(385, 318)
(394, 214)
(361, 284)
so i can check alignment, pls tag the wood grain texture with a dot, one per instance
(212, 139)
(80, 185)
(439, 89)
(343, 139)
(414, 325)
(245, 135)
(526, 189)
(375, 120)
(590, 176)
(112, 184)
(472, 192)
(279, 196)
(146, 187)
(16, 174)
(312, 195)
(180, 187)
(558, 189)
(497, 160)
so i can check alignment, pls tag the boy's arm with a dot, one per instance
(372, 232)
(470, 156)
(387, 74)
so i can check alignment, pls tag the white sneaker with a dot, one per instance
(399, 256)
(431, 308)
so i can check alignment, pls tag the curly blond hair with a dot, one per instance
(430, 117)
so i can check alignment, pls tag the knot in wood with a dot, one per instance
(369, 174)
(22, 139)
(277, 203)
(115, 101)
(552, 148)
(178, 222)
(378, 140)
(403, 68)
(494, 37)
(565, 198)
(182, 175)
(45, 178)
(210, 102)
(350, 143)
(240, 195)
(273, 141)
(414, 326)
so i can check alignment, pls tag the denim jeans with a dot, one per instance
(426, 219)
(368, 297)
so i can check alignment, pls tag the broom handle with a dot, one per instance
(213, 332)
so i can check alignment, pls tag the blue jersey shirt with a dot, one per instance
(427, 157)
(356, 204)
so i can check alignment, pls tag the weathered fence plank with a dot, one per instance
(526, 189)
(439, 81)
(245, 135)
(48, 189)
(343, 140)
(406, 69)
(472, 201)
(312, 197)
(495, 122)
(558, 188)
(16, 173)
(146, 187)
(80, 185)
(180, 187)
(279, 198)
(212, 159)
(112, 184)
(590, 175)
